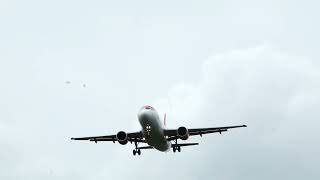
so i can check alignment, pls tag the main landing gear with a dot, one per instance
(176, 147)
(136, 150)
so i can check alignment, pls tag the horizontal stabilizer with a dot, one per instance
(102, 140)
(184, 144)
(145, 147)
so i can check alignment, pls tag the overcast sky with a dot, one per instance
(205, 63)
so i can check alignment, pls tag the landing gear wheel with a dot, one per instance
(139, 152)
(174, 149)
(179, 149)
(134, 152)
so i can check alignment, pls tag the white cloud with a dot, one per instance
(275, 94)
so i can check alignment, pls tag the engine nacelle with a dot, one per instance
(122, 138)
(183, 133)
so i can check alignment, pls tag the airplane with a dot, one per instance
(155, 135)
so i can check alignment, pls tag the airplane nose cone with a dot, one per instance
(144, 116)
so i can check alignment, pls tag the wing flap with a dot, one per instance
(133, 137)
(206, 132)
(95, 137)
(216, 128)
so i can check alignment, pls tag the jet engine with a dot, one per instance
(122, 137)
(183, 133)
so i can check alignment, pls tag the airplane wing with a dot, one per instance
(132, 137)
(172, 133)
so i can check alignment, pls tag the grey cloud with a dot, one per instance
(135, 53)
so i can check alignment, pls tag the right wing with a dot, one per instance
(200, 131)
(132, 137)
(172, 133)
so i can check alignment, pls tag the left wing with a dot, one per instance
(172, 133)
(132, 137)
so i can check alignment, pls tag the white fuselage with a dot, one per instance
(153, 129)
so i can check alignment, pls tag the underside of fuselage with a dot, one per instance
(152, 129)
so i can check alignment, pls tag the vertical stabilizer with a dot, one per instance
(165, 120)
